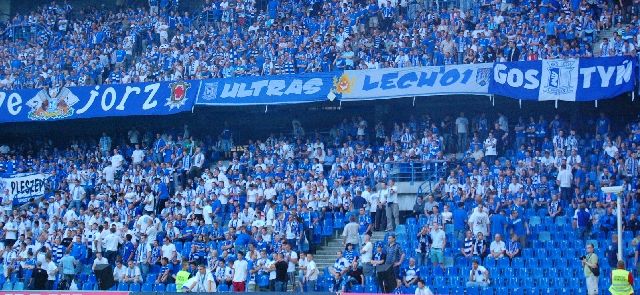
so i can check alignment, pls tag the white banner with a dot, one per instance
(24, 186)
(415, 81)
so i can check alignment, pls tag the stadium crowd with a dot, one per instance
(59, 45)
(166, 215)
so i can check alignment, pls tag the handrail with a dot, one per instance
(413, 171)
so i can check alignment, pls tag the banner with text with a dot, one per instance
(21, 187)
(281, 89)
(415, 81)
(57, 103)
(583, 79)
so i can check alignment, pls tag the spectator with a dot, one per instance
(410, 274)
(68, 264)
(590, 264)
(582, 220)
(498, 248)
(353, 276)
(203, 281)
(281, 273)
(468, 245)
(612, 252)
(514, 247)
(425, 241)
(479, 221)
(439, 239)
(311, 273)
(366, 255)
(422, 289)
(478, 276)
(240, 272)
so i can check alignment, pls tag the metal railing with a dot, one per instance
(417, 171)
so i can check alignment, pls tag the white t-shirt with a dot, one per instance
(312, 271)
(480, 222)
(116, 161)
(498, 247)
(137, 156)
(479, 274)
(490, 147)
(461, 124)
(201, 283)
(565, 177)
(366, 252)
(292, 266)
(423, 291)
(51, 269)
(206, 210)
(438, 238)
(167, 250)
(240, 271)
(111, 242)
(109, 173)
(11, 230)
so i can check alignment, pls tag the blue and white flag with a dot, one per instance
(583, 79)
(281, 89)
(414, 81)
(60, 103)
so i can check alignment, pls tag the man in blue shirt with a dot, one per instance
(519, 226)
(499, 223)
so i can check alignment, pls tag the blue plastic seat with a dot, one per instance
(357, 289)
(223, 288)
(159, 287)
(147, 287)
(134, 287)
(171, 288)
(87, 286)
(19, 286)
(151, 278)
(8, 286)
(123, 287)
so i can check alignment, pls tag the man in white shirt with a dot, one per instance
(240, 271)
(117, 160)
(132, 274)
(490, 148)
(77, 194)
(439, 239)
(311, 273)
(479, 221)
(168, 249)
(366, 254)
(498, 247)
(110, 242)
(198, 163)
(393, 210)
(52, 271)
(478, 276)
(137, 156)
(350, 232)
(203, 281)
(564, 180)
(462, 127)
(119, 272)
(99, 260)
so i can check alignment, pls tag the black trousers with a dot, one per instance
(387, 280)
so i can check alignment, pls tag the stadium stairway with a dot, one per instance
(326, 254)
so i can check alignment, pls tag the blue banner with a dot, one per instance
(583, 79)
(414, 81)
(281, 89)
(50, 104)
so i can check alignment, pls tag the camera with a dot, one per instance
(582, 257)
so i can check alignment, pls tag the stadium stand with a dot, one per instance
(511, 204)
(59, 44)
